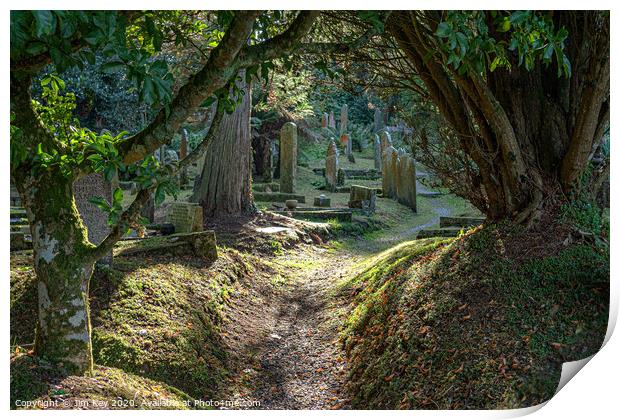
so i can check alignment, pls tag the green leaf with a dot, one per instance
(443, 30)
(45, 22)
(101, 203)
(112, 66)
(36, 47)
(504, 25)
(548, 52)
(117, 196)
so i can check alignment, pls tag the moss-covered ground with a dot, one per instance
(466, 323)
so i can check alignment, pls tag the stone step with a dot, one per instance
(430, 194)
(441, 232)
(278, 197)
(322, 214)
(353, 173)
(446, 221)
(265, 186)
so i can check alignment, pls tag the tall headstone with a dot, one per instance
(387, 182)
(325, 120)
(378, 120)
(409, 184)
(331, 166)
(401, 162)
(288, 157)
(394, 174)
(386, 140)
(344, 118)
(148, 210)
(95, 220)
(183, 180)
(332, 120)
(377, 144)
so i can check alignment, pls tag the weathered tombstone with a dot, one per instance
(409, 185)
(331, 166)
(361, 197)
(95, 219)
(183, 180)
(325, 120)
(344, 118)
(322, 201)
(148, 210)
(387, 182)
(394, 174)
(332, 120)
(377, 144)
(401, 162)
(386, 140)
(186, 217)
(350, 149)
(378, 120)
(340, 177)
(288, 157)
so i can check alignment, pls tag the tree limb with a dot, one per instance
(218, 70)
(131, 215)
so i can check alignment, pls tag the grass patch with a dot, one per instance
(459, 324)
(42, 386)
(155, 317)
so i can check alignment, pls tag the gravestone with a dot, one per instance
(364, 198)
(288, 157)
(325, 120)
(399, 175)
(340, 177)
(331, 166)
(95, 219)
(409, 184)
(183, 180)
(332, 120)
(377, 144)
(185, 217)
(378, 120)
(387, 181)
(344, 118)
(148, 210)
(394, 173)
(386, 140)
(322, 201)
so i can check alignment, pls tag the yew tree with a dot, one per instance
(523, 97)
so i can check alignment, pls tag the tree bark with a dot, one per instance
(528, 132)
(63, 262)
(226, 181)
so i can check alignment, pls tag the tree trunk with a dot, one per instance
(529, 133)
(226, 180)
(63, 267)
